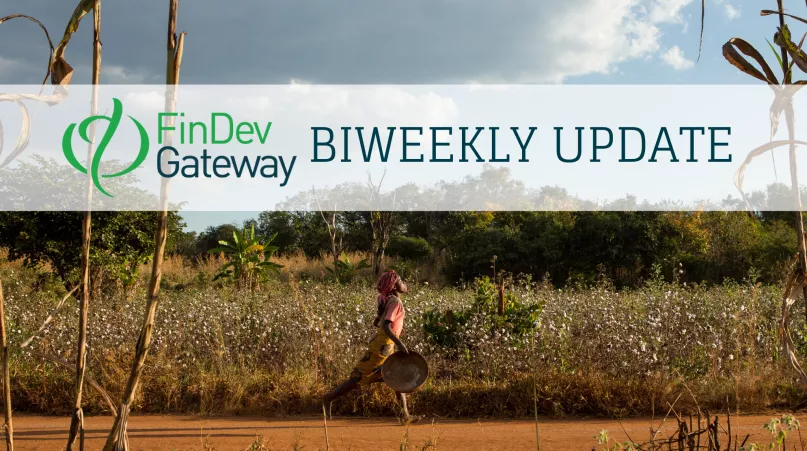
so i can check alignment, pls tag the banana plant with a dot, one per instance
(248, 259)
(343, 270)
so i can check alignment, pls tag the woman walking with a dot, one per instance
(389, 323)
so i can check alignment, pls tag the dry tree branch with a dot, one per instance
(90, 380)
(27, 343)
(670, 410)
(49, 318)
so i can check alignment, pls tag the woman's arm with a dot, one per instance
(385, 326)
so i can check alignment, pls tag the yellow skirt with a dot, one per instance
(368, 370)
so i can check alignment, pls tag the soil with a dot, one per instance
(355, 434)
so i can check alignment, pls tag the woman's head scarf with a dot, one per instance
(386, 287)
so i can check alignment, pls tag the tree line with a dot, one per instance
(625, 246)
(624, 240)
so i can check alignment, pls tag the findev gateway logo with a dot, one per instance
(114, 121)
(188, 166)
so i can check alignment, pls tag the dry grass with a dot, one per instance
(5, 263)
(178, 269)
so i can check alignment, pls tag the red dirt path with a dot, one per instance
(356, 434)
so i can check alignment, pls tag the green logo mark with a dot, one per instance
(114, 120)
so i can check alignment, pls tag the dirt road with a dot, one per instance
(238, 433)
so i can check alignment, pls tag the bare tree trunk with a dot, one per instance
(77, 421)
(336, 249)
(6, 374)
(118, 438)
(333, 232)
(374, 244)
(378, 261)
(381, 224)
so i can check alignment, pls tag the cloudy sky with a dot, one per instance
(384, 41)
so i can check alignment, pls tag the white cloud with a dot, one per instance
(122, 75)
(732, 12)
(7, 65)
(674, 57)
(595, 36)
(667, 11)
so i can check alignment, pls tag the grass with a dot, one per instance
(276, 351)
(181, 270)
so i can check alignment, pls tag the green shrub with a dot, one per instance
(344, 270)
(409, 248)
(445, 329)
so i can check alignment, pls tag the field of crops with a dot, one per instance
(278, 349)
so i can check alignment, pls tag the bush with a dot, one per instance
(409, 248)
(518, 321)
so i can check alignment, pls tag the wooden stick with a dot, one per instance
(77, 421)
(325, 423)
(117, 438)
(535, 396)
(6, 375)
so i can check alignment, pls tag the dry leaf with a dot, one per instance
(22, 140)
(739, 176)
(61, 71)
(730, 52)
(768, 12)
(47, 35)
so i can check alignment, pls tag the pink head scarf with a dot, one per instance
(386, 288)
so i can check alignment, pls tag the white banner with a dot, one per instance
(407, 147)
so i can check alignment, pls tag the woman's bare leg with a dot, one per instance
(341, 390)
(407, 419)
